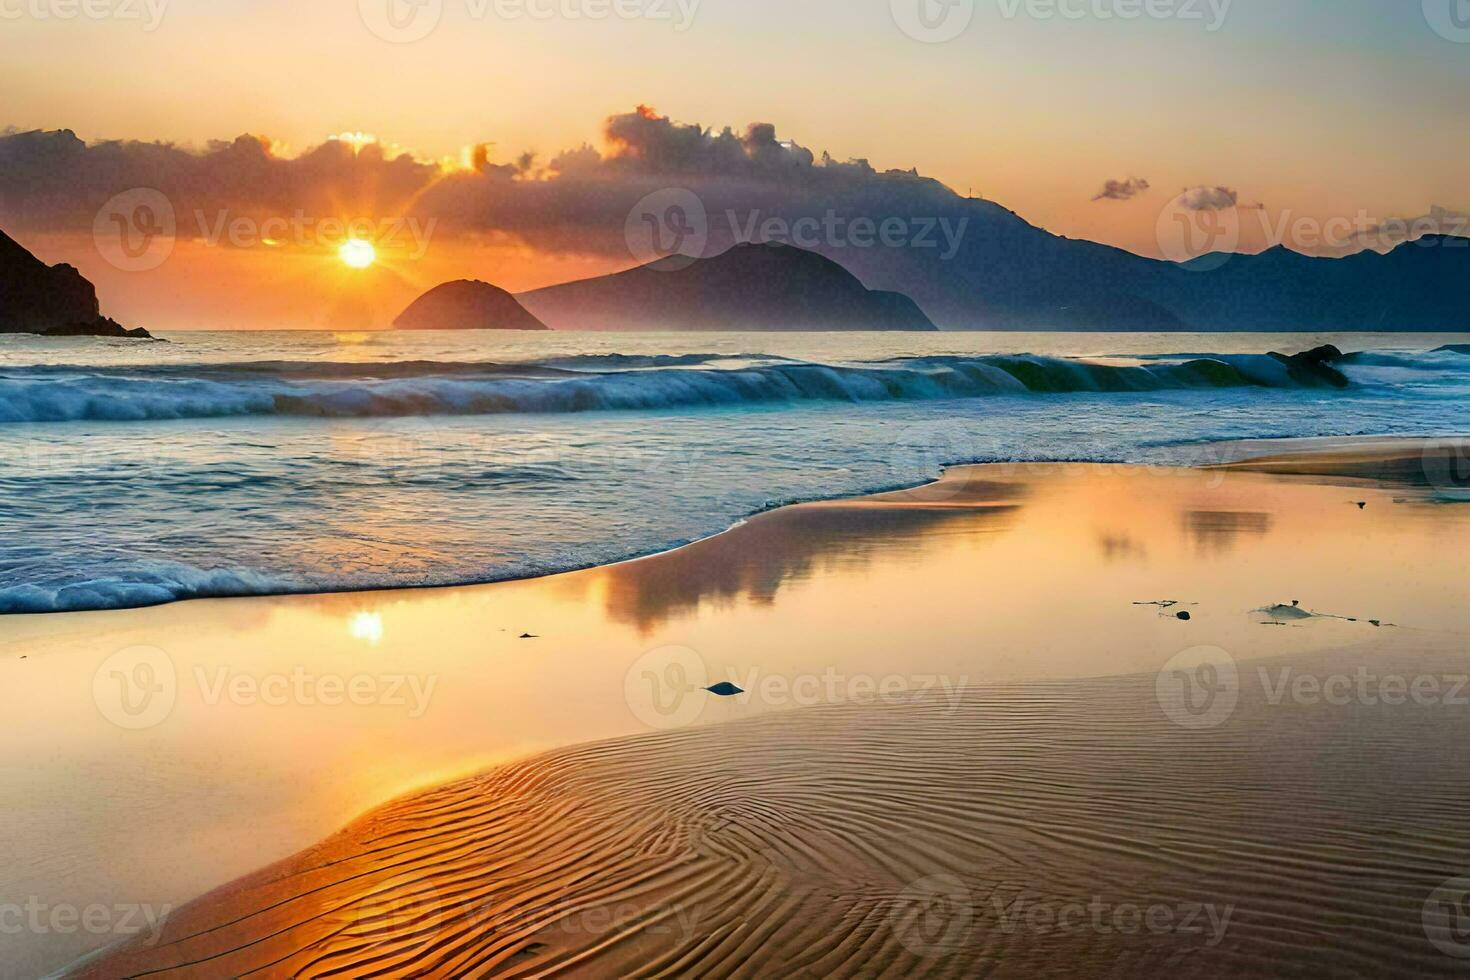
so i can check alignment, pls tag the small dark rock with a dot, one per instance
(1314, 367)
(725, 689)
(529, 636)
(100, 327)
(1185, 616)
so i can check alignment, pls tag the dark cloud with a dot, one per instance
(1209, 198)
(578, 201)
(1121, 190)
(53, 179)
(1390, 232)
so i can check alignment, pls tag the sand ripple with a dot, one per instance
(1044, 830)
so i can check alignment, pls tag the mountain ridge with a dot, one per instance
(757, 287)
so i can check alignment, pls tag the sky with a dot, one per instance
(1303, 109)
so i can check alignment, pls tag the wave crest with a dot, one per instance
(584, 384)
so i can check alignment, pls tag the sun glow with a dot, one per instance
(355, 140)
(358, 253)
(368, 627)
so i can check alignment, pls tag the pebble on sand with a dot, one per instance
(725, 689)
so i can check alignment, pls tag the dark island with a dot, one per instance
(50, 300)
(467, 304)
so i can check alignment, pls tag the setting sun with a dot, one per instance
(358, 253)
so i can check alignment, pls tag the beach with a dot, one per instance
(976, 734)
(701, 517)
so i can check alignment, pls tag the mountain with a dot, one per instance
(467, 304)
(49, 299)
(749, 287)
(1009, 275)
(989, 269)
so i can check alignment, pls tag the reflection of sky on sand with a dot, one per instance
(1021, 573)
(1218, 531)
(784, 548)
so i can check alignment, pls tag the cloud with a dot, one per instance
(1390, 232)
(1208, 198)
(1121, 190)
(578, 201)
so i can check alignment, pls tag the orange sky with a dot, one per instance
(1314, 110)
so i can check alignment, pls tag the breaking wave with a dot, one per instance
(588, 383)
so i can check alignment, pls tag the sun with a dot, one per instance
(357, 253)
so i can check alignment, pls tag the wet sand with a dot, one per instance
(1058, 829)
(1008, 745)
(1440, 465)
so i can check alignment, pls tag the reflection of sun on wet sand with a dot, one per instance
(1290, 806)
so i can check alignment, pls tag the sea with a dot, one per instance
(271, 462)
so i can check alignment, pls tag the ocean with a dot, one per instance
(252, 463)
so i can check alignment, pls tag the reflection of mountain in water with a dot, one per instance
(755, 560)
(1216, 532)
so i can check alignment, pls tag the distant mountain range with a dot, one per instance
(49, 299)
(1006, 274)
(748, 287)
(1001, 274)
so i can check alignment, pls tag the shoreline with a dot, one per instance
(1394, 461)
(803, 589)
